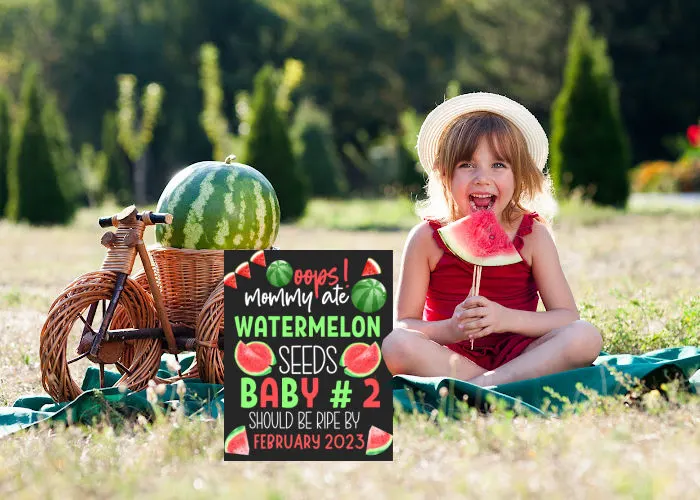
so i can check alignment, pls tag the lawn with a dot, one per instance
(635, 275)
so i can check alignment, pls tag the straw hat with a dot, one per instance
(443, 116)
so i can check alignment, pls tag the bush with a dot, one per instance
(654, 177)
(4, 147)
(589, 146)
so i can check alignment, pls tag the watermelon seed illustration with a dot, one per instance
(378, 441)
(279, 273)
(237, 442)
(255, 358)
(230, 280)
(243, 270)
(371, 268)
(368, 295)
(259, 258)
(360, 359)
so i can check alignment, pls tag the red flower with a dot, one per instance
(693, 134)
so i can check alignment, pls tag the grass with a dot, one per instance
(634, 275)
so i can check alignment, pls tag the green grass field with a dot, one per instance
(635, 275)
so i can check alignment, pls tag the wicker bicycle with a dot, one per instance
(112, 318)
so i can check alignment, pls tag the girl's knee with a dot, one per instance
(398, 348)
(585, 342)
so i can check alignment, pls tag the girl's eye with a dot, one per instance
(499, 165)
(464, 164)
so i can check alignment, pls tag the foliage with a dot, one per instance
(269, 148)
(36, 191)
(117, 177)
(654, 176)
(589, 146)
(93, 168)
(4, 146)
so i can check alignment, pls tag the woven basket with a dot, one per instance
(186, 279)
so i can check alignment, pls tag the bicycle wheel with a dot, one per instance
(210, 325)
(69, 314)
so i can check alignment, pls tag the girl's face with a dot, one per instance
(485, 182)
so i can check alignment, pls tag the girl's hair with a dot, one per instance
(459, 140)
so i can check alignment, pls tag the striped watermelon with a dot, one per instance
(368, 295)
(219, 205)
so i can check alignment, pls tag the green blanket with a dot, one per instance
(410, 393)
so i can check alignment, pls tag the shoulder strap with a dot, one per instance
(435, 225)
(524, 229)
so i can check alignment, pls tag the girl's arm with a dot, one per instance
(413, 287)
(483, 316)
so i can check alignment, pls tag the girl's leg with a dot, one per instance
(409, 352)
(572, 346)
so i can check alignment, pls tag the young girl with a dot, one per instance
(485, 152)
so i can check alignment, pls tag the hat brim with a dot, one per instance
(444, 114)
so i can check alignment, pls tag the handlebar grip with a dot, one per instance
(106, 221)
(156, 218)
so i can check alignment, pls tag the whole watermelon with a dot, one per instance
(219, 205)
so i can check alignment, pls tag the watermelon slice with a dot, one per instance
(371, 268)
(360, 359)
(243, 270)
(254, 358)
(378, 441)
(259, 258)
(230, 280)
(237, 442)
(479, 239)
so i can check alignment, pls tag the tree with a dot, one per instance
(269, 149)
(589, 147)
(313, 137)
(36, 192)
(117, 178)
(4, 146)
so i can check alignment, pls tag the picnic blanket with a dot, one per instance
(422, 394)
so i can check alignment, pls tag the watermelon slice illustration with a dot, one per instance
(230, 280)
(243, 270)
(237, 442)
(360, 359)
(371, 268)
(368, 295)
(259, 258)
(254, 358)
(480, 240)
(378, 441)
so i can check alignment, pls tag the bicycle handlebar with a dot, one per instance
(147, 216)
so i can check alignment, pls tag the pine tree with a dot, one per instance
(35, 192)
(4, 147)
(589, 145)
(269, 149)
(313, 137)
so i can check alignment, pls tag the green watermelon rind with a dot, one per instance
(349, 372)
(247, 215)
(247, 372)
(233, 435)
(379, 449)
(460, 251)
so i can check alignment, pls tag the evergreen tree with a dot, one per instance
(4, 147)
(313, 137)
(35, 193)
(269, 148)
(117, 178)
(589, 147)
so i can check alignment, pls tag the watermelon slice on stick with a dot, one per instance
(480, 240)
(237, 442)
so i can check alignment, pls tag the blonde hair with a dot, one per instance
(459, 141)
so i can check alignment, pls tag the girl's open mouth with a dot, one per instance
(481, 201)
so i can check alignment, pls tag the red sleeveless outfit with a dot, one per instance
(512, 286)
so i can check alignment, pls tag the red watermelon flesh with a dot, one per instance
(479, 239)
(230, 280)
(237, 442)
(243, 270)
(378, 441)
(371, 268)
(254, 358)
(360, 359)
(259, 258)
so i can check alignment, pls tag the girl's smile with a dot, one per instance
(485, 182)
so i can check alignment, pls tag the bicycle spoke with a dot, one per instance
(102, 375)
(123, 368)
(103, 307)
(86, 323)
(78, 358)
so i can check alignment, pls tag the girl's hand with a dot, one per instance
(479, 316)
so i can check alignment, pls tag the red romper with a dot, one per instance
(512, 286)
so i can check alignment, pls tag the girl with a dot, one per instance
(485, 152)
